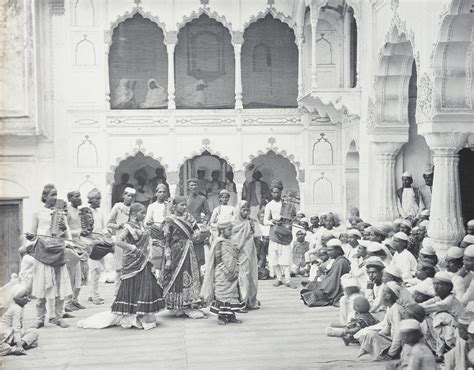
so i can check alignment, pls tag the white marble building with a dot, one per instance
(336, 97)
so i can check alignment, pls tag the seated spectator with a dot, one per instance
(393, 273)
(456, 357)
(405, 227)
(415, 311)
(328, 291)
(425, 273)
(374, 288)
(427, 253)
(454, 265)
(353, 237)
(415, 353)
(376, 249)
(403, 259)
(378, 234)
(319, 266)
(443, 310)
(351, 290)
(423, 292)
(467, 274)
(466, 241)
(14, 339)
(300, 247)
(382, 341)
(362, 319)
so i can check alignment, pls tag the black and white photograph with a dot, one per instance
(237, 184)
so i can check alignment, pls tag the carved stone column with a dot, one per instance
(300, 42)
(347, 50)
(446, 227)
(172, 178)
(384, 181)
(107, 77)
(239, 179)
(238, 40)
(171, 40)
(314, 38)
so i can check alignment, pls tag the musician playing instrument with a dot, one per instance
(76, 262)
(94, 246)
(50, 276)
(279, 215)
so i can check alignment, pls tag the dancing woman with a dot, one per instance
(181, 276)
(242, 234)
(139, 296)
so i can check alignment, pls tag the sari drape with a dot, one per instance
(242, 235)
(182, 281)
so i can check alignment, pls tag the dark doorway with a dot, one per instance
(466, 180)
(10, 231)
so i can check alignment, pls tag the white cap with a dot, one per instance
(469, 251)
(374, 247)
(349, 283)
(374, 261)
(334, 243)
(428, 250)
(408, 325)
(394, 271)
(470, 328)
(398, 221)
(304, 219)
(425, 287)
(354, 232)
(470, 222)
(401, 236)
(454, 253)
(130, 190)
(407, 174)
(469, 239)
(443, 276)
(364, 243)
(394, 287)
(425, 212)
(424, 223)
(407, 223)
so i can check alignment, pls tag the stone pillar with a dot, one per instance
(347, 50)
(238, 76)
(446, 227)
(239, 179)
(384, 181)
(107, 77)
(300, 43)
(314, 38)
(172, 178)
(171, 40)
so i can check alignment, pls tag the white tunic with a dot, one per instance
(406, 262)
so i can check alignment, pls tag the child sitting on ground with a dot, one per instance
(14, 339)
(221, 283)
(319, 264)
(362, 319)
(300, 246)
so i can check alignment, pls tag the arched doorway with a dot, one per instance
(466, 180)
(352, 178)
(269, 65)
(271, 166)
(138, 65)
(140, 172)
(213, 174)
(415, 156)
(204, 64)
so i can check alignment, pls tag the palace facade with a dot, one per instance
(336, 97)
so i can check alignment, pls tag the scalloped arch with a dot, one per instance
(211, 14)
(130, 14)
(19, 190)
(275, 14)
(277, 151)
(118, 161)
(200, 152)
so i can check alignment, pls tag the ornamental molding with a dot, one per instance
(370, 116)
(130, 14)
(398, 32)
(276, 151)
(446, 142)
(206, 147)
(138, 148)
(211, 14)
(424, 102)
(275, 14)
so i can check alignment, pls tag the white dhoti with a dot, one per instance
(280, 257)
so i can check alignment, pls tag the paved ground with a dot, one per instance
(283, 334)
